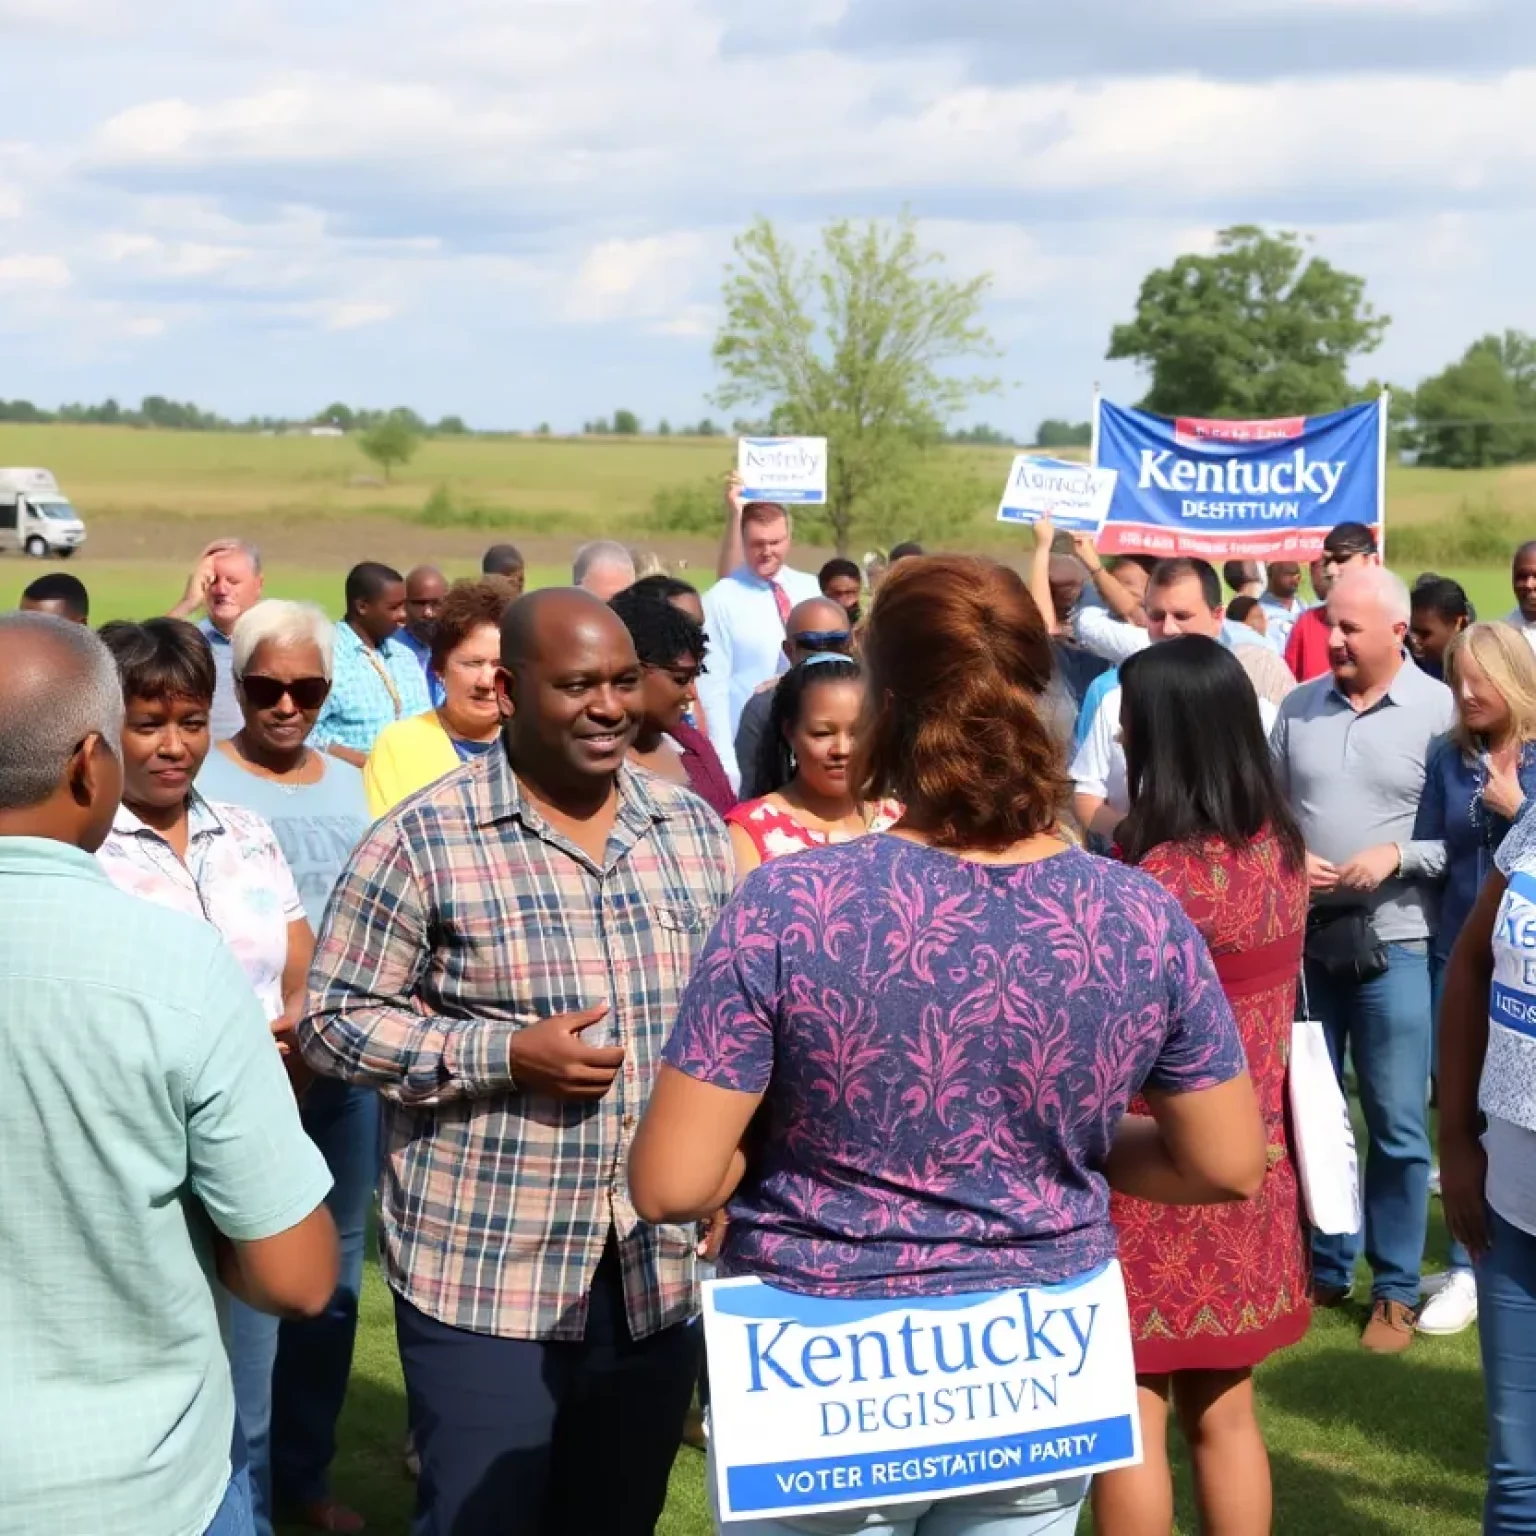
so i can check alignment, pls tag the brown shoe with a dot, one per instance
(1390, 1330)
(1329, 1295)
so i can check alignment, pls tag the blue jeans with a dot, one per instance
(1385, 1024)
(252, 1351)
(1506, 1313)
(1458, 1257)
(291, 1377)
(314, 1357)
(233, 1516)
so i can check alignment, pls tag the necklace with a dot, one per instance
(280, 782)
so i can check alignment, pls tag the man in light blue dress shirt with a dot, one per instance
(425, 589)
(744, 617)
(1281, 601)
(376, 680)
(226, 582)
(153, 1145)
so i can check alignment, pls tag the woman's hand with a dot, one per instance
(1463, 1182)
(1502, 793)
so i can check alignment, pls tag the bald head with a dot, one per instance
(543, 623)
(1373, 584)
(425, 589)
(818, 616)
(59, 688)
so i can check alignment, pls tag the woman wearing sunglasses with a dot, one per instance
(281, 661)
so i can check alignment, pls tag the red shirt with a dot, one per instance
(1306, 652)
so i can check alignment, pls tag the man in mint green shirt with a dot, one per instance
(151, 1147)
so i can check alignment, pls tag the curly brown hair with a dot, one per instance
(470, 605)
(959, 660)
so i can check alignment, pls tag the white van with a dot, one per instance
(35, 515)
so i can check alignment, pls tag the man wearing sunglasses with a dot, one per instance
(815, 627)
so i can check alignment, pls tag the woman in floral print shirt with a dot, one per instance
(941, 1026)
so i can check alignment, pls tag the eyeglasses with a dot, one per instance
(262, 692)
(822, 639)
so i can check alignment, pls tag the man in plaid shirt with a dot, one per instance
(503, 960)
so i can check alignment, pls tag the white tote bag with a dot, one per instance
(1325, 1138)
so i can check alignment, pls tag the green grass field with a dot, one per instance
(1360, 1445)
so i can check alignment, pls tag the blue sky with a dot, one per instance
(519, 210)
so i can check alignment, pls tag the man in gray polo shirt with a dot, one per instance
(1350, 749)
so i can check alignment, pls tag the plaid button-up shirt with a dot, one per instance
(463, 917)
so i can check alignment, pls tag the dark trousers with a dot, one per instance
(529, 1438)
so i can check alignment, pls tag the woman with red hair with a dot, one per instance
(938, 1028)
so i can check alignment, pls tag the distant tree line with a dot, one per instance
(155, 411)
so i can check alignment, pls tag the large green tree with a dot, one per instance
(1259, 328)
(1482, 409)
(858, 342)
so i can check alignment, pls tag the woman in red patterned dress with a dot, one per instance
(1213, 1289)
(807, 749)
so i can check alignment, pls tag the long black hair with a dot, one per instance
(1196, 759)
(775, 761)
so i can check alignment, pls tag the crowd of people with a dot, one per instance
(921, 930)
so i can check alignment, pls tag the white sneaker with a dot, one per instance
(1432, 1285)
(1434, 1179)
(1453, 1308)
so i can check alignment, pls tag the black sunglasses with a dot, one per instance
(821, 639)
(263, 692)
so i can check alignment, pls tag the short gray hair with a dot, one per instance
(246, 548)
(40, 727)
(283, 623)
(601, 552)
(1387, 587)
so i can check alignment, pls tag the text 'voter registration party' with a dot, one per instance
(818, 1403)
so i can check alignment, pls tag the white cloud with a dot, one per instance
(33, 272)
(353, 315)
(283, 193)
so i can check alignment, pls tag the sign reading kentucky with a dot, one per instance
(1240, 489)
(820, 1404)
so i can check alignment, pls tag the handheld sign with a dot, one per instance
(820, 1405)
(788, 470)
(1075, 497)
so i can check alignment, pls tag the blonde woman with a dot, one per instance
(1477, 781)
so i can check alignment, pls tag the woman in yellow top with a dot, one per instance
(466, 650)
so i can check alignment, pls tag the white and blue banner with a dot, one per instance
(820, 1404)
(1260, 490)
(1511, 1060)
(1075, 497)
(789, 470)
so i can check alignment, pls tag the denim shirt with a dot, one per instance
(1453, 811)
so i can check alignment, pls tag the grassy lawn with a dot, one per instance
(1361, 1446)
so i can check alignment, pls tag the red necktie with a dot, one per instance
(781, 597)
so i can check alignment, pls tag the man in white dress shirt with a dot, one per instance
(744, 617)
(1183, 598)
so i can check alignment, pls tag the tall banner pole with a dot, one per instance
(1381, 472)
(1093, 447)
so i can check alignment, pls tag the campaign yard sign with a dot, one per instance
(1261, 490)
(1075, 497)
(819, 1404)
(789, 470)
